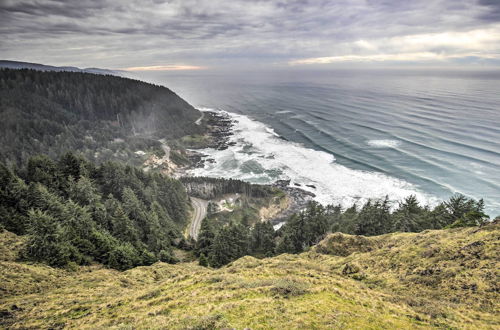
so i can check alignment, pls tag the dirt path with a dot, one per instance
(199, 213)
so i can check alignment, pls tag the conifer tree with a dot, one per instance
(47, 240)
(203, 261)
(262, 239)
(206, 238)
(230, 243)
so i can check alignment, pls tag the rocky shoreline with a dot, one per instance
(220, 129)
(219, 133)
(299, 198)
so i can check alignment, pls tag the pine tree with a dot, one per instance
(294, 238)
(124, 256)
(230, 243)
(203, 261)
(136, 211)
(13, 201)
(458, 205)
(70, 165)
(47, 240)
(121, 226)
(262, 239)
(41, 169)
(83, 191)
(374, 218)
(317, 223)
(206, 238)
(408, 215)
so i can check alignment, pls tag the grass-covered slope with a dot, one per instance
(104, 117)
(442, 278)
(435, 272)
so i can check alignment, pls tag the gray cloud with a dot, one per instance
(79, 9)
(237, 32)
(493, 12)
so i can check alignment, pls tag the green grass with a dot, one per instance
(434, 279)
(194, 141)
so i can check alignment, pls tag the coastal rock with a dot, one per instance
(298, 200)
(219, 130)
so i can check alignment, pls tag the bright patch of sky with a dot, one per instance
(201, 34)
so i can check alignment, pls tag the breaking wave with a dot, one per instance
(259, 155)
(384, 143)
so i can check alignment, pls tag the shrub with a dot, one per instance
(288, 288)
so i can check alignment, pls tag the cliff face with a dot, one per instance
(205, 190)
(440, 278)
(275, 208)
(209, 188)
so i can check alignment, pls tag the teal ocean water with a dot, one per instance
(352, 135)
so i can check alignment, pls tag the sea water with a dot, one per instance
(353, 135)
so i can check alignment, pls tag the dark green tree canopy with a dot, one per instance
(103, 117)
(77, 212)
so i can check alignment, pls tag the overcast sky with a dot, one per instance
(197, 34)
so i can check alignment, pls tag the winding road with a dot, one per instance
(199, 213)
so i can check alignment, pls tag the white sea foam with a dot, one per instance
(260, 156)
(279, 225)
(384, 143)
(271, 131)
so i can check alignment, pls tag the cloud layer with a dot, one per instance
(189, 34)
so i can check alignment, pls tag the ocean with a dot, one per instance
(353, 135)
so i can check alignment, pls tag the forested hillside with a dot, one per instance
(103, 117)
(42, 67)
(76, 212)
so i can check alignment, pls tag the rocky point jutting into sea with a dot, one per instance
(218, 137)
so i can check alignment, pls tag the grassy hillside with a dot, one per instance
(440, 278)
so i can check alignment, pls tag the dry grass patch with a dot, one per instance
(440, 279)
